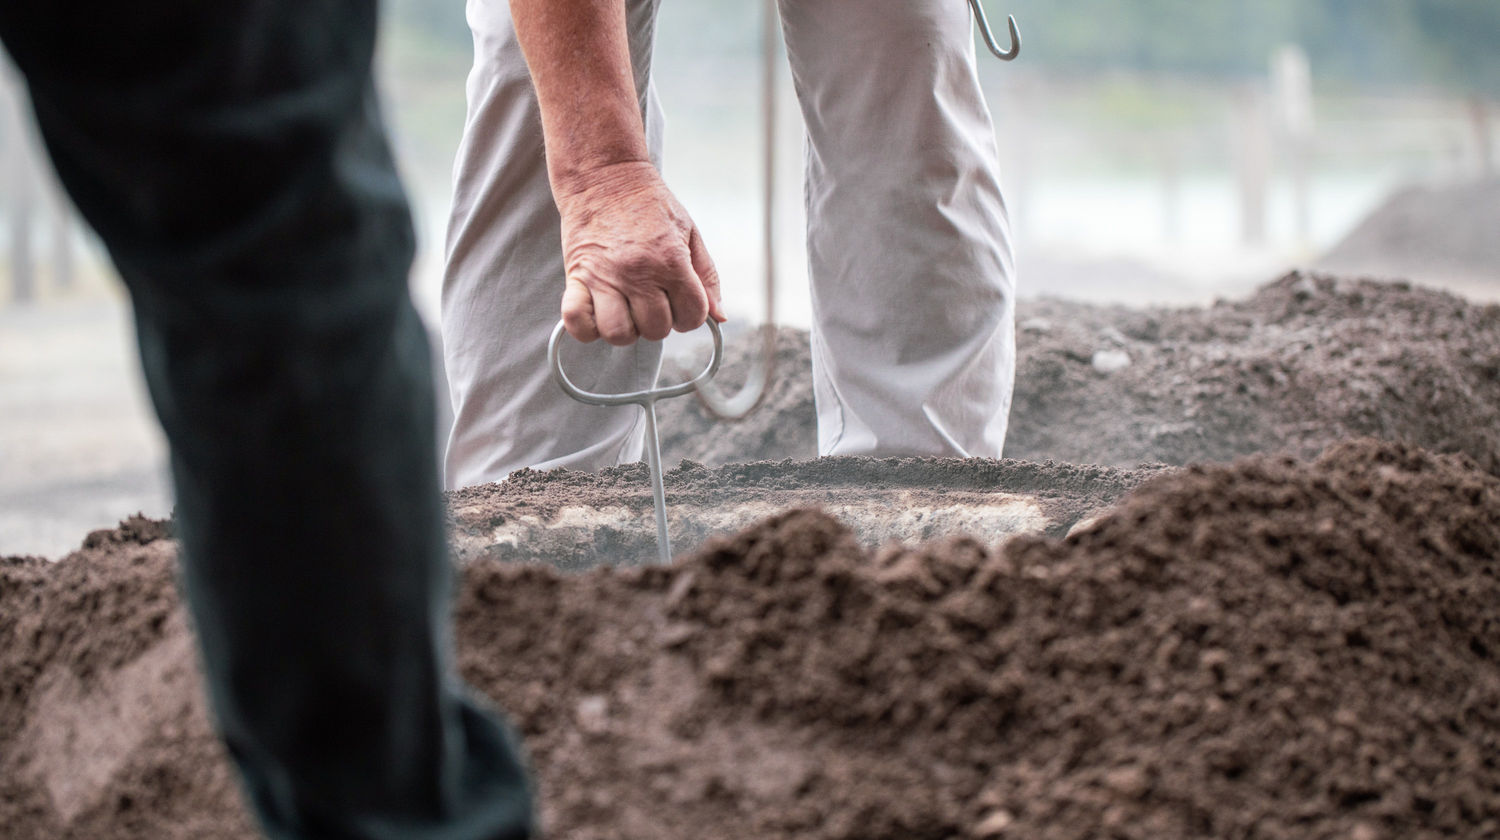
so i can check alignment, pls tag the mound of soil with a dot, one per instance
(1305, 362)
(104, 732)
(1272, 649)
(1427, 231)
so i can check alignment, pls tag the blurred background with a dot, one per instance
(1153, 152)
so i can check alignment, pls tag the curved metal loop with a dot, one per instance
(739, 405)
(989, 37)
(646, 397)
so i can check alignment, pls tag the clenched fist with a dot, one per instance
(636, 264)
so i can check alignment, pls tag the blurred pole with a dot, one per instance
(22, 205)
(1291, 87)
(61, 221)
(1479, 117)
(19, 190)
(1171, 188)
(1252, 152)
(1018, 129)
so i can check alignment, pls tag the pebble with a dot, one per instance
(994, 824)
(1109, 361)
(593, 714)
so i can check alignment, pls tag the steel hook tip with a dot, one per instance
(989, 37)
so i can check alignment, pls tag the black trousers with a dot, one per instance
(232, 158)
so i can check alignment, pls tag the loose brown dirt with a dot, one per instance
(1305, 362)
(1272, 648)
(1266, 649)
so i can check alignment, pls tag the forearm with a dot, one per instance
(635, 265)
(579, 57)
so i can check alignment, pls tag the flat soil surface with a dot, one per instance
(574, 521)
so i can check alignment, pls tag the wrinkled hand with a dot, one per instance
(636, 264)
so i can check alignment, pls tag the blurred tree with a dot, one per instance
(442, 20)
(1461, 47)
(1444, 43)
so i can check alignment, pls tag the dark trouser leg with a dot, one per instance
(231, 156)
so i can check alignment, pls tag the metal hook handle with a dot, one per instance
(650, 395)
(647, 401)
(989, 37)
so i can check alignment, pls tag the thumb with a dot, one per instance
(703, 266)
(578, 311)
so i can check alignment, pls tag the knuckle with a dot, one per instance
(618, 334)
(579, 324)
(586, 267)
(645, 270)
(690, 317)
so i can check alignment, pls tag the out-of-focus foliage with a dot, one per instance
(1450, 44)
(1445, 43)
(438, 19)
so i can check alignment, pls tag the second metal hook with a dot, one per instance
(989, 37)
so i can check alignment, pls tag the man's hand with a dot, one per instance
(636, 264)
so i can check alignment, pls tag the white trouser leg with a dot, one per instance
(503, 283)
(913, 298)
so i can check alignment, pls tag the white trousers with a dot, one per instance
(913, 342)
